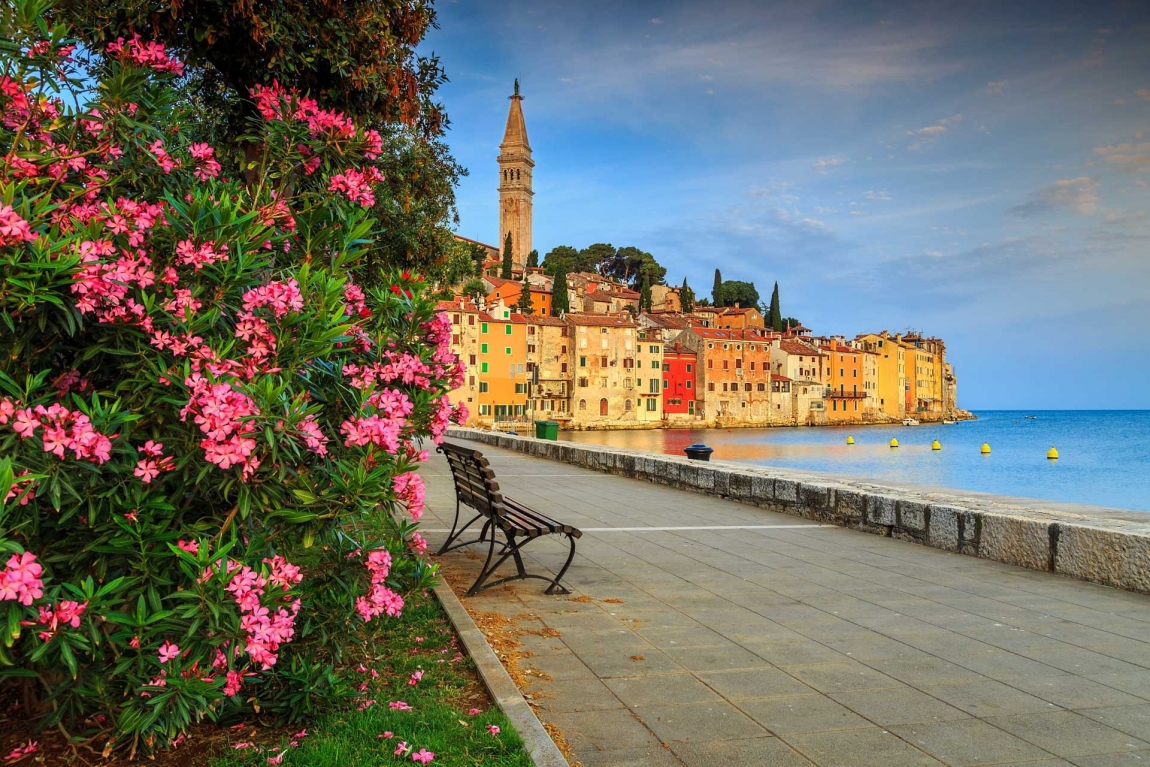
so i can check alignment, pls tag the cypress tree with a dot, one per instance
(559, 301)
(717, 290)
(686, 298)
(645, 293)
(533, 259)
(505, 272)
(525, 305)
(776, 314)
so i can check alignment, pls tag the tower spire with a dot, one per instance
(515, 170)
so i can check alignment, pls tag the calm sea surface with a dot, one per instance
(1104, 455)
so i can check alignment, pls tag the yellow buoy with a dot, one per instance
(1052, 454)
(894, 443)
(936, 445)
(985, 448)
(850, 440)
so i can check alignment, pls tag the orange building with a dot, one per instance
(846, 390)
(502, 358)
(734, 375)
(508, 291)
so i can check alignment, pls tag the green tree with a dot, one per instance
(569, 260)
(791, 322)
(775, 316)
(533, 258)
(686, 297)
(717, 290)
(629, 264)
(739, 292)
(597, 256)
(645, 294)
(525, 305)
(474, 289)
(479, 256)
(559, 300)
(505, 270)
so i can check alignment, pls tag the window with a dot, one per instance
(455, 339)
(627, 405)
(688, 384)
(762, 387)
(483, 328)
(483, 348)
(518, 410)
(726, 364)
(583, 383)
(711, 386)
(603, 331)
(483, 368)
(521, 367)
(666, 368)
(602, 362)
(628, 363)
(530, 366)
(626, 383)
(652, 404)
(471, 319)
(455, 318)
(583, 402)
(724, 386)
(654, 386)
(603, 406)
(530, 330)
(563, 349)
(471, 359)
(752, 364)
(710, 364)
(691, 407)
(582, 362)
(485, 410)
(655, 365)
(471, 380)
(688, 367)
(521, 388)
(530, 348)
(482, 387)
(654, 350)
(666, 383)
(738, 364)
(507, 330)
(506, 349)
(563, 367)
(604, 344)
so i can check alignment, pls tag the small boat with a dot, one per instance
(909, 422)
(1030, 417)
(948, 422)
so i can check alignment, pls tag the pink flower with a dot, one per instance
(398, 705)
(135, 643)
(387, 734)
(409, 488)
(19, 752)
(146, 470)
(20, 580)
(402, 749)
(168, 651)
(235, 681)
(493, 729)
(192, 547)
(415, 678)
(14, 229)
(423, 756)
(474, 712)
(278, 758)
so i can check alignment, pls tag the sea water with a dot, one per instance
(1104, 455)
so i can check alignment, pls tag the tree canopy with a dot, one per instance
(739, 292)
(627, 264)
(717, 289)
(560, 301)
(774, 313)
(686, 297)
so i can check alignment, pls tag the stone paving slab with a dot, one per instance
(767, 642)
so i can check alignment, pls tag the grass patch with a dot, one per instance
(440, 701)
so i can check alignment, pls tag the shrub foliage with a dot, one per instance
(200, 409)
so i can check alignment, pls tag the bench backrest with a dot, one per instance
(474, 480)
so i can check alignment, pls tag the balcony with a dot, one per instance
(833, 394)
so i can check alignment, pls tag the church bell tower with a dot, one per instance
(515, 193)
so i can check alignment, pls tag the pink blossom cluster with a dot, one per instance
(207, 166)
(313, 437)
(409, 488)
(357, 185)
(221, 412)
(67, 613)
(380, 599)
(153, 462)
(418, 544)
(356, 300)
(14, 229)
(102, 286)
(282, 297)
(444, 415)
(151, 55)
(199, 256)
(29, 492)
(20, 579)
(63, 429)
(265, 631)
(165, 160)
(373, 144)
(19, 752)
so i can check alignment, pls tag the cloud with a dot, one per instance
(656, 21)
(931, 133)
(995, 87)
(826, 163)
(1127, 157)
(878, 195)
(1143, 93)
(1077, 195)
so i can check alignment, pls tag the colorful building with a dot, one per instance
(846, 390)
(892, 379)
(508, 292)
(549, 366)
(805, 366)
(680, 383)
(606, 385)
(502, 357)
(734, 375)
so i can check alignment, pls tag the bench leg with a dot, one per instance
(555, 583)
(456, 534)
(487, 570)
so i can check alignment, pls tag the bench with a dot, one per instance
(476, 488)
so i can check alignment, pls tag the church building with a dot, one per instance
(515, 167)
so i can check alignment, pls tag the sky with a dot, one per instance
(974, 171)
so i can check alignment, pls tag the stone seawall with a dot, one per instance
(1106, 546)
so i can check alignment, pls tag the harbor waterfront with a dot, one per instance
(1104, 456)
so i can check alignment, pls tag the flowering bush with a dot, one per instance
(205, 423)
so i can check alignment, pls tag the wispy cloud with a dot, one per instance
(1127, 157)
(931, 133)
(826, 163)
(1077, 195)
(878, 195)
(995, 87)
(1143, 93)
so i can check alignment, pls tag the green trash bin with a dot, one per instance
(547, 430)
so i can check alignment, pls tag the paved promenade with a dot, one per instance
(705, 632)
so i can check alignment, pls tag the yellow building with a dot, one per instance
(649, 376)
(892, 374)
(465, 327)
(548, 352)
(606, 386)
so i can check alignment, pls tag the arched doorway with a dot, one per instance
(603, 406)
